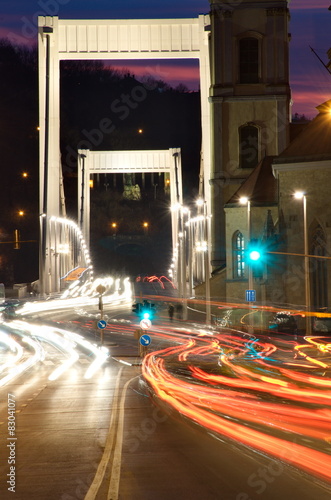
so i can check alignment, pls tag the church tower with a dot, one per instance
(249, 97)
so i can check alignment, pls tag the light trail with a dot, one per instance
(18, 369)
(257, 395)
(14, 347)
(69, 344)
(117, 291)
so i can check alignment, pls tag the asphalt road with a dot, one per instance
(106, 438)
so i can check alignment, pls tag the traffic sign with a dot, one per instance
(145, 324)
(250, 295)
(102, 324)
(145, 339)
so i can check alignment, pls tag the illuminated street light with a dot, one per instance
(114, 227)
(175, 207)
(21, 213)
(300, 195)
(204, 247)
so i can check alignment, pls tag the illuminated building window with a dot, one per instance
(238, 251)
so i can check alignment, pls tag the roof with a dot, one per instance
(314, 142)
(260, 186)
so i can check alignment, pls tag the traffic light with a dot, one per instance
(147, 310)
(255, 257)
(136, 308)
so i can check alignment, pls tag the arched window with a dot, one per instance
(248, 146)
(249, 60)
(319, 295)
(238, 250)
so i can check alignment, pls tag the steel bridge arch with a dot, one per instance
(63, 39)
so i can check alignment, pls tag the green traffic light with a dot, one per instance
(254, 255)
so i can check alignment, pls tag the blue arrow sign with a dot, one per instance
(102, 324)
(250, 295)
(145, 340)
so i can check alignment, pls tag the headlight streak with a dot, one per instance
(81, 295)
(14, 347)
(20, 368)
(63, 340)
(253, 399)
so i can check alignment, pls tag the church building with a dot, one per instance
(257, 168)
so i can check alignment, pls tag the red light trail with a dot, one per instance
(252, 392)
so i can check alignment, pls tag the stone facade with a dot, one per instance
(257, 96)
(245, 93)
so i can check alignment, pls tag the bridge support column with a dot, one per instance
(49, 152)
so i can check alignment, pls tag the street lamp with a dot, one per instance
(299, 195)
(189, 239)
(114, 227)
(202, 203)
(82, 156)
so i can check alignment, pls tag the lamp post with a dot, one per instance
(246, 201)
(299, 195)
(205, 248)
(189, 252)
(114, 228)
(82, 156)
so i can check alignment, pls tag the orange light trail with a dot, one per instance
(250, 391)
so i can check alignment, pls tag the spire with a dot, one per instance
(269, 227)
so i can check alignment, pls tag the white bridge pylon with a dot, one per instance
(113, 39)
(127, 162)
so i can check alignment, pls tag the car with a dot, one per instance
(322, 325)
(284, 322)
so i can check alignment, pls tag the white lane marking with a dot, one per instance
(98, 478)
(114, 438)
(117, 460)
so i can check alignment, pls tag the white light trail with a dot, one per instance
(18, 369)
